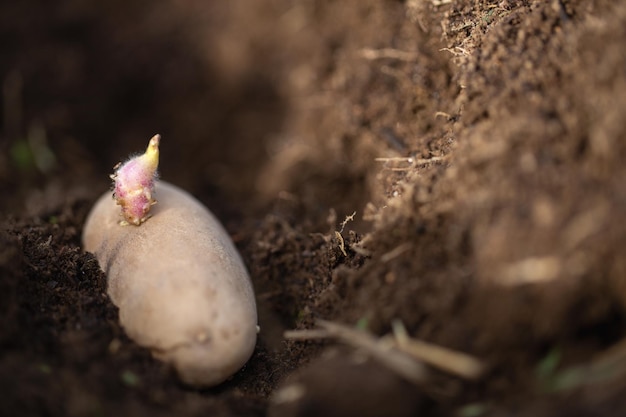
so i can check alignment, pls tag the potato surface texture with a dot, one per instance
(180, 285)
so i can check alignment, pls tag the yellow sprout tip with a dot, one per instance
(151, 156)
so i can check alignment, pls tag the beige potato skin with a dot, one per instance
(180, 285)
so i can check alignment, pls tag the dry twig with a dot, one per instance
(391, 53)
(453, 362)
(400, 363)
(400, 353)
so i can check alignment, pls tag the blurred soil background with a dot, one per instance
(450, 168)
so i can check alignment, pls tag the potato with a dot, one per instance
(180, 285)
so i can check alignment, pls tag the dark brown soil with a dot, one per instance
(480, 143)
